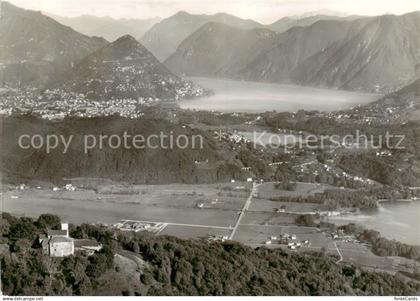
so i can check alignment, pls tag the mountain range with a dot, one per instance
(266, 56)
(43, 53)
(34, 47)
(373, 54)
(107, 27)
(383, 56)
(218, 50)
(378, 54)
(164, 37)
(286, 23)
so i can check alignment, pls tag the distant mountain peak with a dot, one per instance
(126, 39)
(124, 69)
(181, 13)
(125, 47)
(222, 14)
(6, 4)
(8, 7)
(108, 27)
(42, 46)
(321, 12)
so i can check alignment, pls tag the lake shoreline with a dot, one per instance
(394, 219)
(232, 96)
(385, 201)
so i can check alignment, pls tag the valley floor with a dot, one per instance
(238, 211)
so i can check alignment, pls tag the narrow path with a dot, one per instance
(339, 253)
(177, 224)
(139, 262)
(245, 208)
(280, 225)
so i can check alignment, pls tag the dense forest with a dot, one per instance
(172, 266)
(148, 165)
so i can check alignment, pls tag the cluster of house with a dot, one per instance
(221, 238)
(58, 243)
(248, 180)
(341, 236)
(21, 187)
(318, 169)
(286, 239)
(282, 209)
(68, 187)
(57, 104)
(385, 153)
(372, 115)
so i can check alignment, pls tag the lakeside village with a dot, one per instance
(51, 107)
(56, 104)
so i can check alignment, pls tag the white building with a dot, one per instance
(57, 243)
(61, 246)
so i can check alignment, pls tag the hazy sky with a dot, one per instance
(264, 11)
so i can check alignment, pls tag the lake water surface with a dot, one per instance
(394, 220)
(254, 97)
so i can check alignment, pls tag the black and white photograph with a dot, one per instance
(209, 148)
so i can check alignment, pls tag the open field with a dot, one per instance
(355, 253)
(163, 206)
(201, 189)
(257, 234)
(188, 232)
(268, 218)
(415, 115)
(272, 206)
(360, 254)
(267, 190)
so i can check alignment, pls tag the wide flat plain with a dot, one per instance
(165, 203)
(194, 211)
(263, 205)
(259, 234)
(268, 190)
(191, 232)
